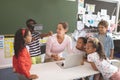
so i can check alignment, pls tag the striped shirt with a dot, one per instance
(34, 46)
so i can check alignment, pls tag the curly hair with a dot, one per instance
(99, 47)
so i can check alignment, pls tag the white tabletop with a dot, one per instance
(51, 71)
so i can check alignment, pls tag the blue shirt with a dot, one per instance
(107, 42)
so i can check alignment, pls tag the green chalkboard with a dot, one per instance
(14, 13)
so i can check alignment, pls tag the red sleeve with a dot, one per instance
(24, 63)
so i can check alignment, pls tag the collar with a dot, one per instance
(105, 34)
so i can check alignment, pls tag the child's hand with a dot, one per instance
(33, 39)
(82, 63)
(111, 57)
(50, 33)
(14, 70)
(33, 76)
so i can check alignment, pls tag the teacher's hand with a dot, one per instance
(56, 57)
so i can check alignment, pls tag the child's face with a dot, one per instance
(28, 38)
(80, 44)
(102, 29)
(89, 48)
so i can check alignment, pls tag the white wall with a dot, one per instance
(4, 62)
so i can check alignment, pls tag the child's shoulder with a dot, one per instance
(109, 37)
(93, 54)
(75, 50)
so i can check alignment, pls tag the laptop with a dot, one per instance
(71, 60)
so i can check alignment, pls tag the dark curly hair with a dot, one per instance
(28, 22)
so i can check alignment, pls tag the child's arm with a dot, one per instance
(46, 34)
(111, 53)
(93, 66)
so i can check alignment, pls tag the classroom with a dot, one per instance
(54, 29)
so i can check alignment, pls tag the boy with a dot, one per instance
(35, 48)
(105, 38)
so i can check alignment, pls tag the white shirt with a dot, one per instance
(103, 66)
(77, 51)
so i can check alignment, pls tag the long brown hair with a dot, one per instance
(19, 42)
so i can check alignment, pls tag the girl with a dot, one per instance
(80, 46)
(98, 60)
(21, 59)
(80, 49)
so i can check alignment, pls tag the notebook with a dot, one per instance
(71, 60)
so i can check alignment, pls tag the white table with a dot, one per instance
(51, 71)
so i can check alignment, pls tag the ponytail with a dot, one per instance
(100, 51)
(99, 48)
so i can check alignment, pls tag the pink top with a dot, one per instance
(53, 47)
